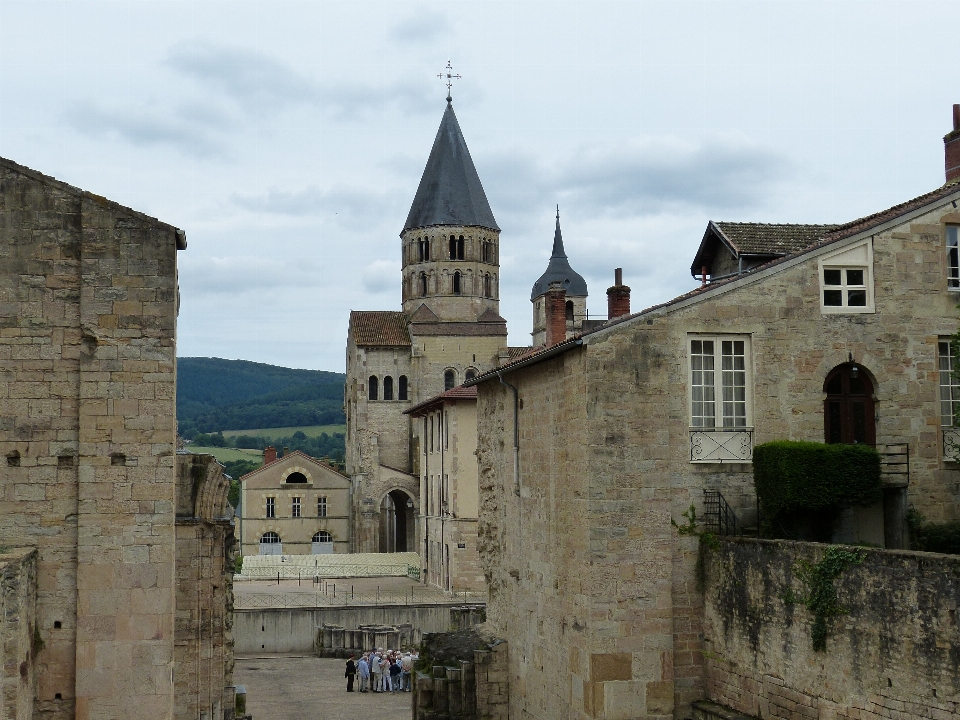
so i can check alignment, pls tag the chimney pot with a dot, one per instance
(951, 148)
(269, 454)
(555, 304)
(618, 297)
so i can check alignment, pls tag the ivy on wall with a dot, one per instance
(820, 595)
(801, 486)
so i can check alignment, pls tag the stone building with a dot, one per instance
(294, 505)
(590, 446)
(448, 330)
(88, 307)
(449, 490)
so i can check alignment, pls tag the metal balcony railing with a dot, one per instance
(720, 446)
(718, 517)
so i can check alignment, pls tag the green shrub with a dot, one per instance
(933, 537)
(803, 485)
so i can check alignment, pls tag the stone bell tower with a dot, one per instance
(451, 241)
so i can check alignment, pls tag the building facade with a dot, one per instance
(88, 308)
(597, 442)
(294, 505)
(449, 491)
(448, 330)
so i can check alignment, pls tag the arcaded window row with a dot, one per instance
(373, 388)
(423, 249)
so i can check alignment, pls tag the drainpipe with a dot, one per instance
(516, 434)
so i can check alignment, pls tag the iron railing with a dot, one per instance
(305, 572)
(718, 517)
(721, 446)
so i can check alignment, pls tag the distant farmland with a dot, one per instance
(308, 430)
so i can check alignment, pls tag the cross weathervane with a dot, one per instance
(450, 78)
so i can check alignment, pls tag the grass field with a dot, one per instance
(272, 433)
(225, 454)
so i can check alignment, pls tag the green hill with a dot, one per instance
(216, 395)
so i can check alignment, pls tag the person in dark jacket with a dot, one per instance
(395, 671)
(351, 673)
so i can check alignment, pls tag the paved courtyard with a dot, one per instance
(310, 688)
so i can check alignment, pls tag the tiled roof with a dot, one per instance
(450, 192)
(458, 393)
(771, 238)
(516, 352)
(290, 454)
(379, 328)
(839, 232)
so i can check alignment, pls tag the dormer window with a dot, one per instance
(846, 280)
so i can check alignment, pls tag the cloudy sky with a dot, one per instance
(287, 139)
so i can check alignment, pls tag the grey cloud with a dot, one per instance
(150, 126)
(256, 82)
(423, 25)
(656, 175)
(342, 204)
(647, 177)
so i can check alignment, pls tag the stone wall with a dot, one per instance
(88, 304)
(893, 655)
(203, 644)
(465, 690)
(20, 639)
(295, 630)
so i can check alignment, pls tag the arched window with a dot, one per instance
(402, 388)
(848, 415)
(420, 250)
(453, 248)
(570, 311)
(487, 286)
(426, 249)
(483, 251)
(460, 248)
(270, 544)
(373, 388)
(423, 284)
(296, 477)
(456, 283)
(388, 388)
(470, 374)
(449, 380)
(322, 543)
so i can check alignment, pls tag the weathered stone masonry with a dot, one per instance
(88, 306)
(895, 654)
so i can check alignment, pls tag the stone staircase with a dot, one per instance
(706, 710)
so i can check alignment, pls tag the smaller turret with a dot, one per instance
(575, 287)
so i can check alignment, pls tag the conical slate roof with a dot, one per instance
(450, 191)
(559, 270)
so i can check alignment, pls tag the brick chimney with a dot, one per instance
(269, 455)
(618, 297)
(951, 148)
(555, 304)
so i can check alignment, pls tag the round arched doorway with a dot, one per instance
(848, 412)
(397, 525)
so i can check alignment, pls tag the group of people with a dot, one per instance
(381, 671)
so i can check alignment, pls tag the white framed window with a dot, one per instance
(321, 507)
(719, 382)
(295, 507)
(949, 384)
(846, 280)
(271, 507)
(953, 257)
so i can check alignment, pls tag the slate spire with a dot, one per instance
(559, 270)
(450, 192)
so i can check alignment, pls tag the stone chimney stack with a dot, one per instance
(951, 149)
(618, 297)
(269, 455)
(555, 304)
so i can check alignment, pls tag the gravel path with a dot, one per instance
(310, 688)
